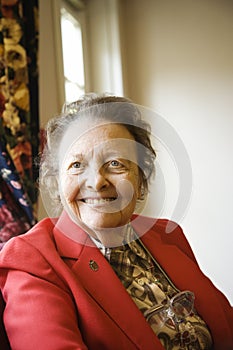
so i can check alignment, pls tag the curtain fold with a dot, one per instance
(19, 116)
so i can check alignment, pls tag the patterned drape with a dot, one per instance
(19, 122)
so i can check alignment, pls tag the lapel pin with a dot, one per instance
(93, 265)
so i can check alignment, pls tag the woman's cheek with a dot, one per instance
(70, 188)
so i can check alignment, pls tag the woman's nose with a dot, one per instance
(96, 179)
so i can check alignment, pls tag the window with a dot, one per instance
(72, 50)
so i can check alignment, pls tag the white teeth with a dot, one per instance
(97, 201)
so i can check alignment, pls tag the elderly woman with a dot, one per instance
(100, 276)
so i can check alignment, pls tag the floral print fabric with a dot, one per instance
(19, 124)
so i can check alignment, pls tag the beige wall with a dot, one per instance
(171, 44)
(175, 57)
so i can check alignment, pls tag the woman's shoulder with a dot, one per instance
(33, 257)
(166, 228)
(167, 231)
(30, 246)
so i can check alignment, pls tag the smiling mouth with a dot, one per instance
(97, 201)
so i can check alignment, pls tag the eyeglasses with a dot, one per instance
(177, 309)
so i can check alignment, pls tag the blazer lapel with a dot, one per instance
(105, 287)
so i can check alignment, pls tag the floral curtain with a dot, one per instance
(19, 122)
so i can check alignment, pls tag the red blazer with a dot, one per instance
(56, 300)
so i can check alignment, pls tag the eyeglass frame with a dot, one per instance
(167, 310)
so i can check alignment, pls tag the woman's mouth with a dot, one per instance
(97, 201)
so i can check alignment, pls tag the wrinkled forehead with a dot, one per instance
(77, 129)
(86, 136)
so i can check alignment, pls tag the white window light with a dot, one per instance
(72, 50)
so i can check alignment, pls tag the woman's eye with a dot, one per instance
(75, 168)
(115, 163)
(76, 165)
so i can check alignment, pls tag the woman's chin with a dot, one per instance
(96, 220)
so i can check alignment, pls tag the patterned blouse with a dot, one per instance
(171, 314)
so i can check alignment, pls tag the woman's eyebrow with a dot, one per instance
(119, 154)
(75, 156)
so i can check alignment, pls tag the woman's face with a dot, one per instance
(99, 178)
